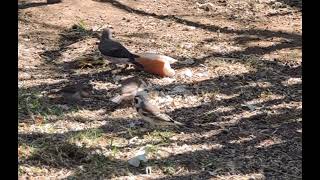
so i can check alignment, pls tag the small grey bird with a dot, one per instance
(74, 93)
(129, 89)
(151, 113)
(114, 51)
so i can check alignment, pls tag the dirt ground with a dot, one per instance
(243, 93)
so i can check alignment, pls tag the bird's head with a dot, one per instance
(139, 98)
(106, 33)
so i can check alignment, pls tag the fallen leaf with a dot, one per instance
(141, 155)
(187, 73)
(38, 119)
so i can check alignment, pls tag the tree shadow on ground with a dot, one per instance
(263, 33)
(26, 5)
(269, 145)
(32, 4)
(54, 150)
(68, 37)
(292, 3)
(266, 142)
(289, 40)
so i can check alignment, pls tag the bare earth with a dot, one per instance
(244, 93)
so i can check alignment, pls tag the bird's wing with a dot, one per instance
(129, 89)
(114, 49)
(153, 111)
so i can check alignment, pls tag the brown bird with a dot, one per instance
(74, 93)
(129, 89)
(157, 64)
(150, 112)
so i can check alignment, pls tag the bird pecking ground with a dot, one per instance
(238, 79)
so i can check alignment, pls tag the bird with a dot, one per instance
(129, 88)
(157, 64)
(114, 51)
(74, 93)
(150, 112)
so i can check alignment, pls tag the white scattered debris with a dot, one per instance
(206, 6)
(168, 80)
(20, 84)
(141, 155)
(179, 89)
(135, 123)
(204, 66)
(63, 106)
(96, 28)
(148, 170)
(212, 173)
(187, 45)
(116, 78)
(292, 81)
(278, 5)
(202, 74)
(164, 100)
(133, 140)
(132, 124)
(187, 62)
(24, 75)
(187, 73)
(250, 106)
(189, 28)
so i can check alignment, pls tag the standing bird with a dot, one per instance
(129, 89)
(157, 64)
(114, 51)
(151, 113)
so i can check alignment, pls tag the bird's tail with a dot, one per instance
(117, 99)
(178, 123)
